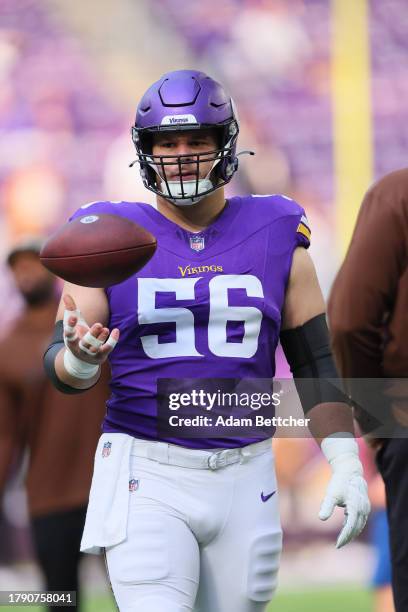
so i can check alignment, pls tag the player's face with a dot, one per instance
(189, 143)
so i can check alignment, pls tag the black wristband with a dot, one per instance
(56, 344)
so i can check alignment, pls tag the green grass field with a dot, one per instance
(327, 600)
(323, 600)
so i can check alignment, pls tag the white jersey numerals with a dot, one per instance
(220, 314)
(184, 346)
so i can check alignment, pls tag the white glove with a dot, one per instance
(347, 487)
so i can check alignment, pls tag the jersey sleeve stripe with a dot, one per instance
(305, 222)
(303, 229)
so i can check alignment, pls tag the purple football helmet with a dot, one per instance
(185, 100)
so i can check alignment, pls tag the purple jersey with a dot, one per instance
(207, 305)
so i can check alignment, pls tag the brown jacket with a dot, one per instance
(59, 431)
(368, 306)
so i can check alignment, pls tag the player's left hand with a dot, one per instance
(347, 489)
(349, 492)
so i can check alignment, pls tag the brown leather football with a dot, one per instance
(98, 250)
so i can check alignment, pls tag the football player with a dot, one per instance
(193, 524)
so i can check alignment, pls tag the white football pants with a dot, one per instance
(207, 540)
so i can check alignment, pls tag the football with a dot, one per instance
(98, 250)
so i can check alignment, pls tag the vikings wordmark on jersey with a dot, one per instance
(213, 311)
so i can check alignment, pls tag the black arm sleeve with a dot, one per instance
(307, 350)
(56, 344)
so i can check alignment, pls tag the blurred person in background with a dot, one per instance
(380, 581)
(56, 433)
(368, 313)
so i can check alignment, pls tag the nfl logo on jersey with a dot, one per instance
(133, 485)
(197, 243)
(106, 449)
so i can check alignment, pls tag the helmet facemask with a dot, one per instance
(182, 192)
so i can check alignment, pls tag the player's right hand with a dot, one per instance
(89, 344)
